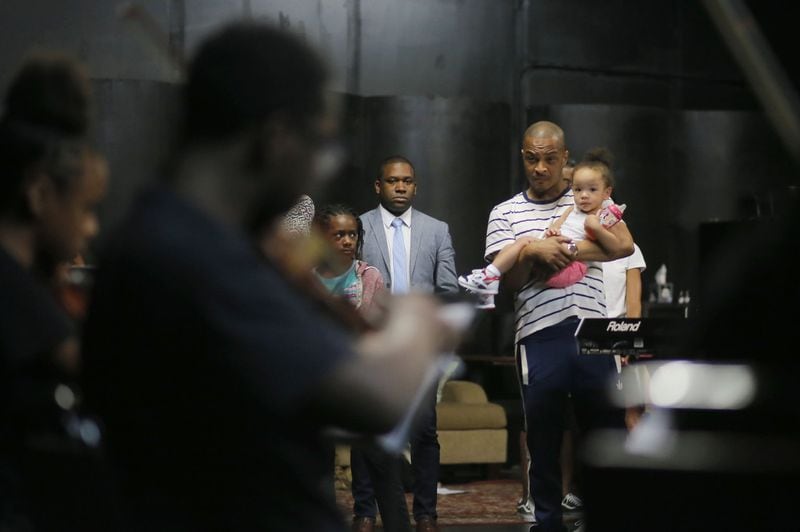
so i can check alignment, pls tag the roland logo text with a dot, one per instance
(621, 326)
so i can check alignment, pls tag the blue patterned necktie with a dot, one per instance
(399, 269)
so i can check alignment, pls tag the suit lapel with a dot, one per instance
(378, 232)
(416, 241)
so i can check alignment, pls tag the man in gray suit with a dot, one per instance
(414, 253)
(431, 259)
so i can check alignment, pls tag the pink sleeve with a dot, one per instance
(372, 284)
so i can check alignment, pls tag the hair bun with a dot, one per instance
(599, 155)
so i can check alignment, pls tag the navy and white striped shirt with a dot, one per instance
(536, 305)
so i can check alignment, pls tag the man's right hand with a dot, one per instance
(548, 253)
(539, 259)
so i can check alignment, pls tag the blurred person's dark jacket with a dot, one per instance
(197, 355)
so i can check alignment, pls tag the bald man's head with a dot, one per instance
(543, 158)
(545, 130)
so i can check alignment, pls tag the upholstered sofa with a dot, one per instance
(471, 429)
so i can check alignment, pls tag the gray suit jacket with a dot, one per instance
(432, 262)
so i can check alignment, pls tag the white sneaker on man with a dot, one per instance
(571, 502)
(525, 510)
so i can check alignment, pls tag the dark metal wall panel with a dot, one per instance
(89, 29)
(664, 53)
(375, 47)
(733, 167)
(134, 131)
(446, 47)
(614, 34)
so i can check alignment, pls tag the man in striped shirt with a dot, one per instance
(548, 363)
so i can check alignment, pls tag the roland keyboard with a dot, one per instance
(639, 337)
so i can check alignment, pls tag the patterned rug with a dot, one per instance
(487, 502)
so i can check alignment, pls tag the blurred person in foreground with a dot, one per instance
(50, 183)
(214, 374)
